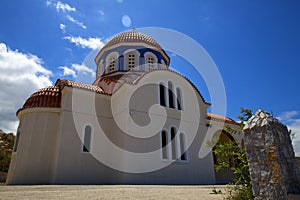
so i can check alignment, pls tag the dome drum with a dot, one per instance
(131, 50)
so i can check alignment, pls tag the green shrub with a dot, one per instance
(4, 161)
(230, 156)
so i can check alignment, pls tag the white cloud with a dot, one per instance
(64, 7)
(292, 120)
(61, 6)
(78, 71)
(287, 116)
(101, 12)
(50, 3)
(83, 69)
(76, 22)
(21, 75)
(62, 27)
(92, 43)
(68, 71)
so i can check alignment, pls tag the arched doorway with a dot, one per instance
(224, 176)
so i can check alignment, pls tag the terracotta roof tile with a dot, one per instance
(61, 83)
(132, 36)
(45, 97)
(111, 82)
(107, 84)
(221, 118)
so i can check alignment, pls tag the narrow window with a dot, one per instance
(179, 99)
(162, 95)
(171, 95)
(112, 63)
(150, 62)
(164, 141)
(173, 142)
(131, 61)
(182, 147)
(87, 139)
(17, 139)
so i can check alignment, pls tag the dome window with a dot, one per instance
(112, 64)
(131, 61)
(150, 62)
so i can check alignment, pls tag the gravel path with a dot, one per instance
(66, 192)
(116, 192)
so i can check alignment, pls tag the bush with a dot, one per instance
(230, 155)
(4, 161)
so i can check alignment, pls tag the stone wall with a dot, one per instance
(273, 167)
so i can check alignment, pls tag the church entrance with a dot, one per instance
(224, 176)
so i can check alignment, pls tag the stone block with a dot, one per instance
(273, 168)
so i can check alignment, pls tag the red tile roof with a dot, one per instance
(107, 84)
(61, 83)
(51, 96)
(110, 83)
(45, 97)
(216, 117)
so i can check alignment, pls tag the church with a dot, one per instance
(138, 123)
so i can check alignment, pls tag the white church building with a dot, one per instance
(138, 123)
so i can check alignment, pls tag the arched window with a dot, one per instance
(179, 99)
(112, 62)
(100, 68)
(162, 97)
(164, 142)
(183, 149)
(86, 147)
(131, 61)
(173, 142)
(171, 95)
(150, 61)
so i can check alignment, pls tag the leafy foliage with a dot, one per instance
(230, 156)
(4, 161)
(244, 115)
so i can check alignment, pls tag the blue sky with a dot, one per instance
(255, 45)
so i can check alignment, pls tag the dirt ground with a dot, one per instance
(66, 192)
(116, 192)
